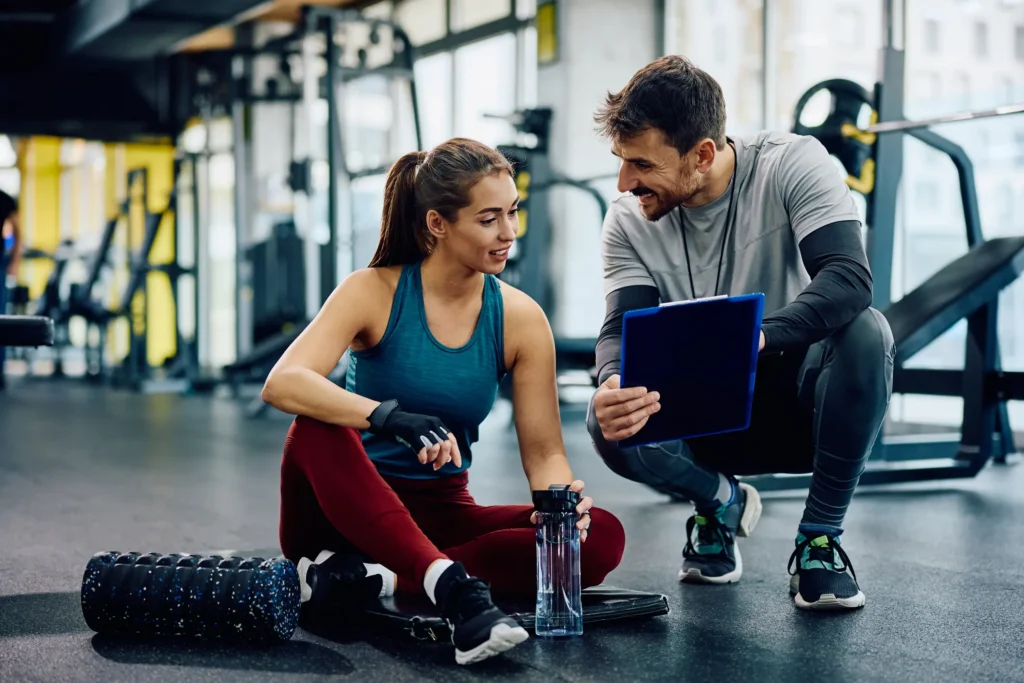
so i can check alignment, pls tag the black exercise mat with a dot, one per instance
(421, 619)
(25, 330)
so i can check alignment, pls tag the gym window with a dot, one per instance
(931, 36)
(981, 39)
(472, 60)
(467, 14)
(850, 23)
(927, 196)
(1018, 43)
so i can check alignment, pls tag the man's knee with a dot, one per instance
(866, 347)
(602, 552)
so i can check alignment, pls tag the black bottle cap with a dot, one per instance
(557, 498)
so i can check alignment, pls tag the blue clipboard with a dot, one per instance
(701, 356)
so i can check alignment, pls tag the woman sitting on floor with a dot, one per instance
(374, 479)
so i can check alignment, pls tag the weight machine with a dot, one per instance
(529, 268)
(88, 299)
(316, 69)
(179, 372)
(968, 288)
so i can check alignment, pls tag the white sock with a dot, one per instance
(388, 588)
(432, 576)
(725, 490)
(306, 592)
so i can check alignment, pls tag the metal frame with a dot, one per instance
(233, 67)
(985, 434)
(888, 155)
(453, 40)
(327, 20)
(313, 39)
(132, 371)
(241, 75)
(529, 269)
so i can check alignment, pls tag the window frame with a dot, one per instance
(452, 41)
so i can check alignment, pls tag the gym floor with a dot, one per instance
(84, 469)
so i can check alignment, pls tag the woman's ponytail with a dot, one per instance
(402, 239)
(418, 183)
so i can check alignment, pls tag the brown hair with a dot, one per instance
(440, 179)
(671, 95)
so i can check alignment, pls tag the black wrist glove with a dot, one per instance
(409, 429)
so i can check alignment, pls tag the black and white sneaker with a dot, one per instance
(711, 555)
(823, 578)
(334, 584)
(479, 629)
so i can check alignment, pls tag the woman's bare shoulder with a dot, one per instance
(519, 304)
(372, 282)
(525, 321)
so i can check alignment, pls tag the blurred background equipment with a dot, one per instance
(336, 73)
(25, 330)
(968, 288)
(530, 265)
(270, 128)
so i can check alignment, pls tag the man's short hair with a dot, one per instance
(671, 95)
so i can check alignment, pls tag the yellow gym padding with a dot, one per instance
(160, 316)
(115, 191)
(39, 206)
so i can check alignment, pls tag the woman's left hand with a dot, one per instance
(582, 508)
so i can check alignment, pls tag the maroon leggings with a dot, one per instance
(333, 498)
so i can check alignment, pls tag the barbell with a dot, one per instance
(849, 129)
(894, 126)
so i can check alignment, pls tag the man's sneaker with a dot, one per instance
(479, 629)
(711, 554)
(824, 578)
(334, 584)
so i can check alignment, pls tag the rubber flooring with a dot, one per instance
(84, 469)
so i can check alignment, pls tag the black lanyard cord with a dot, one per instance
(730, 217)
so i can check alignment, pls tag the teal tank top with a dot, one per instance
(456, 385)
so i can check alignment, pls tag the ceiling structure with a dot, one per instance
(223, 37)
(106, 68)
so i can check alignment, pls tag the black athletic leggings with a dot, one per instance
(817, 411)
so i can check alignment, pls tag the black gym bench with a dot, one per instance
(968, 288)
(25, 330)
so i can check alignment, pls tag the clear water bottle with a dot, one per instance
(559, 596)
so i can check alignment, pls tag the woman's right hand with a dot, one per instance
(425, 435)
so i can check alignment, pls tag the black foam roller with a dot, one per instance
(205, 596)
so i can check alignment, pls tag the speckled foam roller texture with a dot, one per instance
(248, 599)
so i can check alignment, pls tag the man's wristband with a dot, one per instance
(380, 415)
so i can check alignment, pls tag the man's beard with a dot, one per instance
(666, 203)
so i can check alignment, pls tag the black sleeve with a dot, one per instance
(8, 205)
(840, 289)
(609, 342)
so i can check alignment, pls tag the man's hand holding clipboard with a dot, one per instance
(623, 412)
(688, 370)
